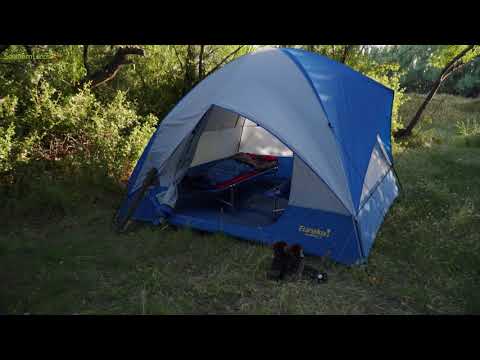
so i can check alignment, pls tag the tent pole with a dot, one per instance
(359, 240)
(398, 179)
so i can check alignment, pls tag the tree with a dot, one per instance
(417, 74)
(198, 61)
(451, 59)
(111, 69)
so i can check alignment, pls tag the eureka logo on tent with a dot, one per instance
(314, 232)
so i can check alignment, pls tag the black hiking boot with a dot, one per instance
(280, 261)
(296, 262)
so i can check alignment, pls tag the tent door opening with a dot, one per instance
(239, 172)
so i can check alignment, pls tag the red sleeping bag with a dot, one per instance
(260, 163)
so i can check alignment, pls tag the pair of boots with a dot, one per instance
(289, 263)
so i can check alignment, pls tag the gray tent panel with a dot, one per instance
(309, 191)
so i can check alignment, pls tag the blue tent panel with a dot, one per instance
(320, 233)
(149, 209)
(357, 107)
(308, 227)
(373, 211)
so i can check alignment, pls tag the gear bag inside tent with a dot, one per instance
(277, 145)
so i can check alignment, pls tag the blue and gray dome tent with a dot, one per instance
(327, 126)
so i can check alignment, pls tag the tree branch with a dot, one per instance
(111, 69)
(178, 58)
(212, 51)
(460, 65)
(452, 62)
(224, 60)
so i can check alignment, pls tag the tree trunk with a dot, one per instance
(85, 59)
(403, 133)
(189, 75)
(200, 62)
(28, 49)
(346, 49)
(178, 58)
(451, 67)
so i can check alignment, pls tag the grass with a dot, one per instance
(426, 258)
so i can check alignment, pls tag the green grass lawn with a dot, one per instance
(426, 258)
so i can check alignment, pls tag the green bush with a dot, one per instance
(7, 132)
(6, 145)
(389, 75)
(468, 127)
(469, 130)
(77, 128)
(55, 147)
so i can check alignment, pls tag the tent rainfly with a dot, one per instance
(280, 144)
